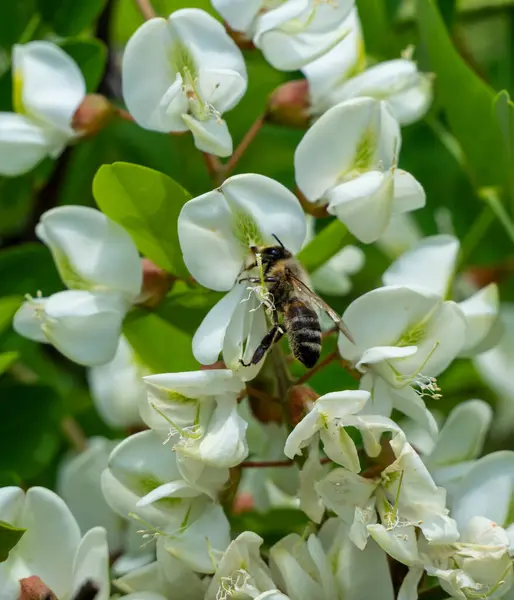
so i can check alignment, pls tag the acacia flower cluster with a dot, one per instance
(395, 499)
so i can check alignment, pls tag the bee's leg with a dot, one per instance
(272, 337)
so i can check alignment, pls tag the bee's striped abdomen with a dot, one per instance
(304, 332)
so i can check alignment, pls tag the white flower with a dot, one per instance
(290, 33)
(52, 547)
(98, 261)
(48, 89)
(301, 568)
(184, 73)
(401, 234)
(327, 419)
(347, 160)
(460, 441)
(79, 485)
(143, 478)
(352, 566)
(117, 388)
(495, 367)
(197, 412)
(431, 264)
(404, 337)
(216, 233)
(407, 91)
(478, 566)
(333, 277)
(241, 571)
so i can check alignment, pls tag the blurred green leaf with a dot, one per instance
(163, 339)
(328, 241)
(8, 306)
(15, 17)
(16, 202)
(504, 112)
(469, 111)
(17, 278)
(69, 17)
(147, 204)
(376, 27)
(6, 360)
(9, 537)
(30, 437)
(90, 55)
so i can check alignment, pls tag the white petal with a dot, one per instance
(312, 471)
(239, 15)
(173, 489)
(194, 384)
(208, 339)
(380, 400)
(337, 405)
(197, 543)
(412, 105)
(148, 75)
(26, 321)
(342, 491)
(84, 327)
(399, 543)
(302, 434)
(48, 546)
(486, 490)
(207, 40)
(328, 150)
(11, 502)
(401, 234)
(382, 316)
(78, 484)
(271, 206)
(222, 88)
(481, 313)
(91, 250)
(409, 587)
(463, 433)
(378, 354)
(339, 446)
(429, 264)
(407, 401)
(117, 388)
(332, 277)
(210, 136)
(92, 563)
(408, 193)
(52, 83)
(23, 144)
(364, 204)
(212, 251)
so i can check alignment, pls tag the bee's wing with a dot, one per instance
(305, 290)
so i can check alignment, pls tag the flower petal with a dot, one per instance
(210, 136)
(239, 15)
(408, 193)
(52, 84)
(342, 491)
(208, 339)
(90, 250)
(481, 313)
(222, 88)
(84, 327)
(328, 150)
(364, 204)
(429, 264)
(302, 434)
(26, 320)
(23, 144)
(92, 563)
(399, 543)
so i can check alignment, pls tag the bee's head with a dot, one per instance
(272, 253)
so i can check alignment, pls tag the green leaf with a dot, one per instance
(163, 339)
(90, 55)
(273, 526)
(30, 436)
(15, 17)
(16, 204)
(327, 243)
(504, 112)
(147, 204)
(9, 537)
(69, 17)
(8, 306)
(6, 360)
(27, 269)
(469, 110)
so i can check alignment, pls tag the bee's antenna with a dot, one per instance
(273, 235)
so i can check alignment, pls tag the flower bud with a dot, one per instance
(156, 283)
(299, 398)
(92, 115)
(32, 588)
(289, 104)
(239, 37)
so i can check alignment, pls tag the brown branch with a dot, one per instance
(146, 9)
(321, 365)
(263, 464)
(214, 167)
(73, 432)
(243, 145)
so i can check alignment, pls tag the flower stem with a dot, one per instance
(146, 9)
(73, 432)
(475, 233)
(321, 365)
(491, 197)
(243, 145)
(327, 243)
(214, 167)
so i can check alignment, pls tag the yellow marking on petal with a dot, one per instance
(365, 151)
(17, 93)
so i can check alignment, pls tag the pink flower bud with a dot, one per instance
(289, 104)
(156, 283)
(92, 115)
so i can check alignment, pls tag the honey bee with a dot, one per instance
(293, 298)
